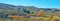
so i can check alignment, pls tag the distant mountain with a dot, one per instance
(11, 8)
(50, 9)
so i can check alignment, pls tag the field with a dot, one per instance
(34, 19)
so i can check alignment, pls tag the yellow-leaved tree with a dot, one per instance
(41, 12)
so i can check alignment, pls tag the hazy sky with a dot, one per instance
(37, 3)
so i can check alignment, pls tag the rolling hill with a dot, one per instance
(12, 9)
(8, 9)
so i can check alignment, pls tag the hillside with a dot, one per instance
(51, 11)
(12, 9)
(9, 9)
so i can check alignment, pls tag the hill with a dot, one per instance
(12, 9)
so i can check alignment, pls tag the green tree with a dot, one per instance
(32, 12)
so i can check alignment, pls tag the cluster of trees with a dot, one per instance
(29, 11)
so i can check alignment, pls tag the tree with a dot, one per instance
(32, 12)
(41, 13)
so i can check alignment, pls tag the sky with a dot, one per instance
(36, 3)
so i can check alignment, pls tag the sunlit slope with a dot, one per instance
(9, 9)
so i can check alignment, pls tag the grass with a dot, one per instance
(1, 19)
(31, 19)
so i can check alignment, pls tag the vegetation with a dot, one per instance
(6, 9)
